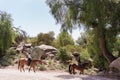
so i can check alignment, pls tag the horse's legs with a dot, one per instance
(82, 71)
(73, 70)
(70, 70)
(34, 68)
(19, 66)
(22, 67)
(29, 68)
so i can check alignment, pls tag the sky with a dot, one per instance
(33, 16)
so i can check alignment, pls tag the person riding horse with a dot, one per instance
(78, 59)
(28, 56)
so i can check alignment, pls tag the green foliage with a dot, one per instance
(93, 49)
(62, 55)
(32, 40)
(8, 59)
(55, 65)
(84, 55)
(65, 12)
(42, 67)
(100, 15)
(82, 40)
(73, 48)
(6, 32)
(117, 44)
(64, 39)
(93, 44)
(116, 47)
(19, 34)
(100, 63)
(44, 38)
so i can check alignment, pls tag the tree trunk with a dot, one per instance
(105, 52)
(102, 45)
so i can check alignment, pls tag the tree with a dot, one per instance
(95, 14)
(45, 38)
(63, 55)
(64, 39)
(6, 32)
(20, 35)
(82, 40)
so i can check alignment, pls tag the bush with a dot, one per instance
(84, 55)
(62, 55)
(8, 58)
(42, 67)
(100, 63)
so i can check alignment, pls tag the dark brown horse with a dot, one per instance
(23, 61)
(81, 68)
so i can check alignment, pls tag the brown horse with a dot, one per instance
(81, 68)
(23, 61)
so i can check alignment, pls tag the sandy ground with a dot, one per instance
(14, 74)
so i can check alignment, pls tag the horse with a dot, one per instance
(81, 68)
(23, 61)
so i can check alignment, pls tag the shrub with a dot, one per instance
(42, 67)
(62, 55)
(84, 55)
(8, 58)
(100, 63)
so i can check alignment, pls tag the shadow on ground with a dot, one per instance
(86, 77)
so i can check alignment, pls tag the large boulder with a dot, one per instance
(115, 64)
(43, 51)
(47, 48)
(37, 53)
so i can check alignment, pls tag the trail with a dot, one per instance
(14, 74)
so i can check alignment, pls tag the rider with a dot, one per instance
(79, 61)
(77, 57)
(28, 56)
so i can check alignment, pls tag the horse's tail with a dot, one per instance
(70, 69)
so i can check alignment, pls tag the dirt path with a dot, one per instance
(14, 74)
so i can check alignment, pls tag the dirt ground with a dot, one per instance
(14, 74)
